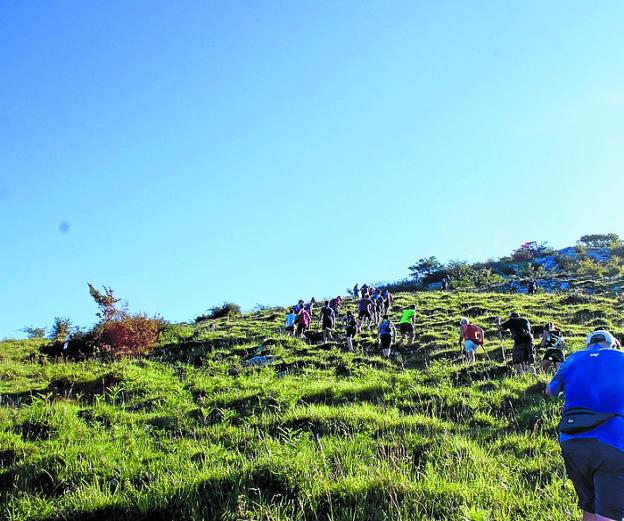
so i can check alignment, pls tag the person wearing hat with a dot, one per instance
(523, 355)
(592, 428)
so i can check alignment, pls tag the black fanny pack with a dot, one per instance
(577, 419)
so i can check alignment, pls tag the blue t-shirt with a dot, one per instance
(594, 379)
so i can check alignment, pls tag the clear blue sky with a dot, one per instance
(187, 153)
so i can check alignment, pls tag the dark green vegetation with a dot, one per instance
(189, 432)
(595, 264)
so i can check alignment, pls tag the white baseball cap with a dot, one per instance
(599, 337)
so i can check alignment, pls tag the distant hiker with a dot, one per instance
(356, 291)
(472, 337)
(523, 355)
(446, 282)
(531, 287)
(378, 309)
(386, 335)
(406, 324)
(554, 343)
(592, 427)
(371, 291)
(387, 300)
(335, 304)
(291, 317)
(309, 307)
(300, 305)
(365, 311)
(327, 321)
(302, 323)
(350, 329)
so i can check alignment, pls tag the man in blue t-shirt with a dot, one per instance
(592, 379)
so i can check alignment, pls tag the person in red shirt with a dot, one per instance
(471, 337)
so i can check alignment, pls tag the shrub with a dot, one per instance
(424, 268)
(128, 335)
(226, 310)
(60, 329)
(615, 266)
(107, 303)
(34, 332)
(119, 333)
(591, 268)
(400, 285)
(486, 277)
(461, 274)
(529, 250)
(600, 240)
(564, 262)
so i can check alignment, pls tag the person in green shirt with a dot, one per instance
(406, 324)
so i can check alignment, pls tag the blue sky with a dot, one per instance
(188, 153)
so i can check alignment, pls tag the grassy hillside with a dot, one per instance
(190, 432)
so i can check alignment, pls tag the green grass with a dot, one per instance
(190, 432)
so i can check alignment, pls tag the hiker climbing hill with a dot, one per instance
(386, 335)
(523, 355)
(470, 338)
(406, 325)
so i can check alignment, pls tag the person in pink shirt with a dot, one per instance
(303, 323)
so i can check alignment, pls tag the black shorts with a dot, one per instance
(523, 353)
(327, 323)
(386, 305)
(350, 332)
(406, 328)
(364, 314)
(290, 328)
(386, 341)
(597, 472)
(301, 328)
(554, 355)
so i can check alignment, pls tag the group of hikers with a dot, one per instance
(591, 431)
(374, 309)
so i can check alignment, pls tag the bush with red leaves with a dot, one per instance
(129, 335)
(119, 333)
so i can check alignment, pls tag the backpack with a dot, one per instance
(350, 321)
(303, 318)
(327, 312)
(472, 332)
(364, 304)
(554, 341)
(384, 328)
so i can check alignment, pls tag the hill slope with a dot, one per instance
(191, 432)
